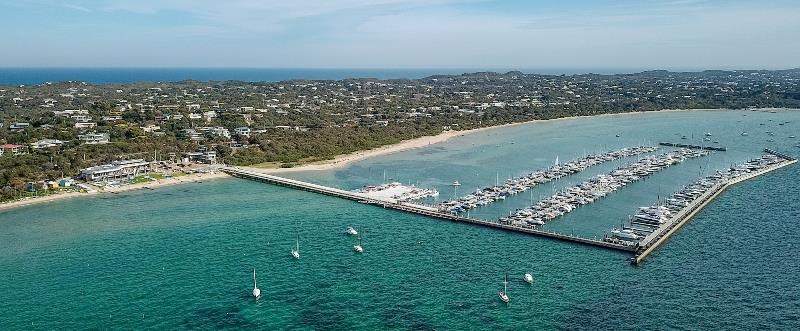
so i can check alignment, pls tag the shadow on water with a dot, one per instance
(218, 318)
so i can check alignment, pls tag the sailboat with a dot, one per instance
(358, 248)
(504, 293)
(256, 291)
(528, 278)
(350, 231)
(296, 250)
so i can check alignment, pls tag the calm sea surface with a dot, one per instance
(181, 257)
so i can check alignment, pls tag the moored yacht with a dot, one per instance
(358, 248)
(625, 234)
(296, 250)
(528, 278)
(504, 293)
(350, 231)
(256, 290)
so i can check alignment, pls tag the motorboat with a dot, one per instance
(528, 278)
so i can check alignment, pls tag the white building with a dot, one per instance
(208, 157)
(46, 143)
(85, 125)
(93, 138)
(115, 170)
(242, 131)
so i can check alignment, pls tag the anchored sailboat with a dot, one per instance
(358, 248)
(296, 250)
(256, 291)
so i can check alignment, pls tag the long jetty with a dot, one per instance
(412, 208)
(652, 241)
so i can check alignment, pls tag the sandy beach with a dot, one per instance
(336, 163)
(132, 187)
(346, 159)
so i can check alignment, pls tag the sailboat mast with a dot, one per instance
(255, 285)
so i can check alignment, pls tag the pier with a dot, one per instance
(652, 241)
(641, 250)
(413, 208)
(709, 148)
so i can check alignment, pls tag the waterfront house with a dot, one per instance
(208, 157)
(66, 182)
(116, 170)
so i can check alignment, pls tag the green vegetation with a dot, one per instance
(297, 122)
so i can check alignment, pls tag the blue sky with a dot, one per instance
(678, 34)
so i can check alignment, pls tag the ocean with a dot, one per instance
(33, 76)
(182, 257)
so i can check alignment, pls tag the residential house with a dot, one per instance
(93, 138)
(85, 125)
(19, 126)
(12, 149)
(193, 135)
(243, 131)
(46, 143)
(207, 157)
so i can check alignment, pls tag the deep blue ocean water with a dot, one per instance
(181, 257)
(31, 76)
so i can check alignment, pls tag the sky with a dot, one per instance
(652, 34)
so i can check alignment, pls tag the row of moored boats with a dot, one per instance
(518, 185)
(648, 219)
(596, 188)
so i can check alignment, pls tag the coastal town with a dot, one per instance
(54, 134)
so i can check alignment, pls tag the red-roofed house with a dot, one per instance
(12, 149)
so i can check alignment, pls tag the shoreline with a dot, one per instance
(112, 190)
(338, 162)
(342, 161)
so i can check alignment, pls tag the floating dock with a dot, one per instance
(651, 242)
(413, 208)
(708, 148)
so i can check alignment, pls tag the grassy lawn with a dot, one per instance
(147, 178)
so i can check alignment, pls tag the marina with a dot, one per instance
(391, 203)
(647, 231)
(513, 186)
(683, 205)
(449, 272)
(596, 188)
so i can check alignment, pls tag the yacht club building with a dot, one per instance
(115, 170)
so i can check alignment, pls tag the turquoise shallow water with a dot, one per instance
(181, 257)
